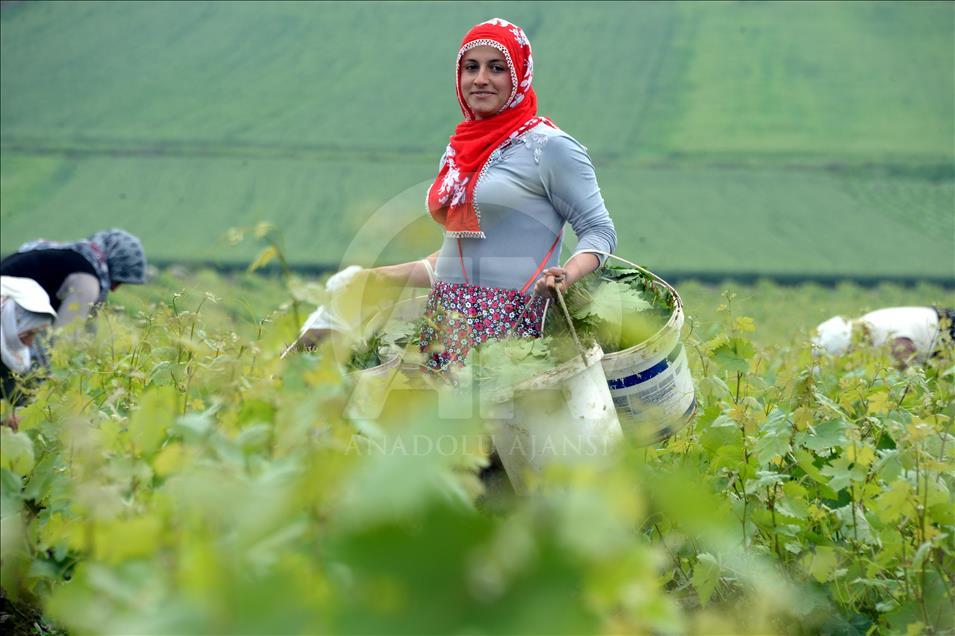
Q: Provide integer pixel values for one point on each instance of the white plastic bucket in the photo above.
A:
(565, 415)
(407, 310)
(371, 388)
(651, 383)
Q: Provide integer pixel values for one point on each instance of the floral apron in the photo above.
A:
(463, 315)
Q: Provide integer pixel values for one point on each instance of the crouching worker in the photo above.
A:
(355, 294)
(913, 334)
(25, 310)
(78, 276)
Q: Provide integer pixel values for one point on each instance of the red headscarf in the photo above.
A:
(451, 196)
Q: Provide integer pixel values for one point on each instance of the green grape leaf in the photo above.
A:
(821, 563)
(264, 258)
(16, 451)
(762, 480)
(842, 472)
(706, 575)
(156, 412)
(123, 539)
(829, 434)
(770, 445)
(794, 503)
(894, 502)
(734, 354)
(612, 301)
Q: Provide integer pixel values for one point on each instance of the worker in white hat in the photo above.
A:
(325, 319)
(911, 333)
(25, 310)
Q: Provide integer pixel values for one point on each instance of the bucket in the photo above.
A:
(565, 415)
(650, 382)
(371, 387)
(407, 310)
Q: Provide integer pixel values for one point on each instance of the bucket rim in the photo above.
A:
(579, 363)
(391, 360)
(676, 316)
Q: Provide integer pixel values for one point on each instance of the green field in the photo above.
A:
(735, 137)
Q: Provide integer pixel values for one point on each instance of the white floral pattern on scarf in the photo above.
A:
(453, 188)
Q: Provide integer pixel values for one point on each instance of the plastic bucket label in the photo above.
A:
(665, 387)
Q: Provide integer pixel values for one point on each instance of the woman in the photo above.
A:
(912, 334)
(508, 181)
(24, 311)
(77, 276)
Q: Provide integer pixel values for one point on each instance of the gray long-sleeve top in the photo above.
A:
(527, 193)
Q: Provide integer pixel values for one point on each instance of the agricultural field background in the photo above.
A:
(728, 137)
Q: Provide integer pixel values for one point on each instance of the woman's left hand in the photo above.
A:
(552, 279)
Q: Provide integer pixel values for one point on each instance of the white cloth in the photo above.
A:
(325, 318)
(24, 306)
(322, 318)
(339, 281)
(833, 336)
(918, 324)
(27, 293)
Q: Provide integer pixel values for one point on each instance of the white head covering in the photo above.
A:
(23, 306)
(833, 336)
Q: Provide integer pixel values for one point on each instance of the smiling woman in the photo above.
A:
(485, 81)
(508, 182)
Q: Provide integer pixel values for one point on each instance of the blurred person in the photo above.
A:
(325, 319)
(79, 275)
(508, 182)
(25, 311)
(911, 333)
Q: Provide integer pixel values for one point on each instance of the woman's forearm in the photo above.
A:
(580, 265)
(412, 274)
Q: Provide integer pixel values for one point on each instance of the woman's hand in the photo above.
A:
(12, 421)
(552, 279)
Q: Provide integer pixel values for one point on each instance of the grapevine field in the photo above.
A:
(175, 475)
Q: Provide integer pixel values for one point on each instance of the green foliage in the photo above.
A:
(175, 475)
(501, 364)
(366, 354)
(615, 307)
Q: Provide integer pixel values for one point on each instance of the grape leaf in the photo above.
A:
(706, 574)
(16, 451)
(734, 354)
